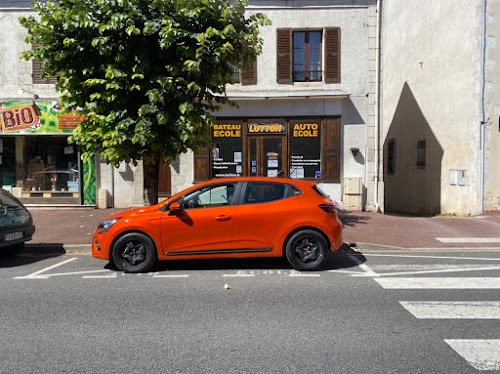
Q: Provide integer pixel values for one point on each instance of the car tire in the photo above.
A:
(307, 250)
(134, 253)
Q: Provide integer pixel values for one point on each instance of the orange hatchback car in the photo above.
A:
(225, 218)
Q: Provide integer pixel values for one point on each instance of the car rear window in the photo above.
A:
(319, 191)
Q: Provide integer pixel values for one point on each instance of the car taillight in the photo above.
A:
(329, 208)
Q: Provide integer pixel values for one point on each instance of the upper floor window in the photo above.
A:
(38, 71)
(308, 56)
(245, 77)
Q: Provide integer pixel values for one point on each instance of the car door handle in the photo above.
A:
(222, 218)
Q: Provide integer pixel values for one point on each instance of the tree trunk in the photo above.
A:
(151, 173)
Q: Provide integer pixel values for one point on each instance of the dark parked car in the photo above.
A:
(16, 224)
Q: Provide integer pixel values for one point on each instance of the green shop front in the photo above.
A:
(37, 165)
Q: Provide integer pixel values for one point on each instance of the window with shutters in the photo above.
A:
(308, 56)
(245, 77)
(38, 71)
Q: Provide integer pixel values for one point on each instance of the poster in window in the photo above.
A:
(305, 148)
(227, 160)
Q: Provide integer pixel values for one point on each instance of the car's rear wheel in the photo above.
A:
(307, 250)
(134, 253)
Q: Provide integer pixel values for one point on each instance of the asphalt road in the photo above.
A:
(370, 312)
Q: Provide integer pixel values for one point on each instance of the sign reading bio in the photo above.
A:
(20, 118)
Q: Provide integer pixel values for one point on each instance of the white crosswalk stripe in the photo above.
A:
(453, 309)
(482, 354)
(435, 283)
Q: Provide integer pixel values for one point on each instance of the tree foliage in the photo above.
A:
(147, 75)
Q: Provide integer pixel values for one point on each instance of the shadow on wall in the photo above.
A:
(412, 161)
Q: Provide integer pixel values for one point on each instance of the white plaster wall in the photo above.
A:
(353, 17)
(492, 174)
(434, 48)
(182, 172)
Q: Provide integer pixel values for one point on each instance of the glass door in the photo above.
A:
(266, 156)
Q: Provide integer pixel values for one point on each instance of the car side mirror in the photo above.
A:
(175, 206)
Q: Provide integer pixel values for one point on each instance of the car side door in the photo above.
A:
(203, 222)
(264, 213)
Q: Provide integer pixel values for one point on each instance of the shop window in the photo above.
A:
(38, 71)
(305, 149)
(299, 55)
(421, 154)
(391, 156)
(227, 152)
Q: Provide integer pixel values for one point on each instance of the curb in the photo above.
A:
(52, 248)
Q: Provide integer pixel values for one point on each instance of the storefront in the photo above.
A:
(36, 162)
(302, 148)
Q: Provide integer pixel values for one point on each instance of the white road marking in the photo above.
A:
(304, 275)
(469, 240)
(481, 354)
(37, 274)
(422, 256)
(170, 275)
(490, 283)
(239, 275)
(109, 276)
(453, 309)
(451, 270)
(368, 272)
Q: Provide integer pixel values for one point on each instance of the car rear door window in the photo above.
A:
(263, 192)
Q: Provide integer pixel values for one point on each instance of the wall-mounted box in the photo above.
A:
(458, 177)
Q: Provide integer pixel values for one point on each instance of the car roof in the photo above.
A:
(296, 182)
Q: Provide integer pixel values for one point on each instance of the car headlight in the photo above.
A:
(106, 225)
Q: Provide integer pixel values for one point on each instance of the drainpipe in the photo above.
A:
(377, 104)
(484, 121)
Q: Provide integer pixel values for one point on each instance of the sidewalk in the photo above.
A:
(71, 230)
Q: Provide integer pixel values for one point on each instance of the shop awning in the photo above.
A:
(333, 94)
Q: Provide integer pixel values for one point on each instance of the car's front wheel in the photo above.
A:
(134, 253)
(307, 250)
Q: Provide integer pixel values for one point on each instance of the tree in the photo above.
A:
(147, 75)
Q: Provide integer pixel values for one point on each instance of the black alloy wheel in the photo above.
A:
(134, 253)
(307, 250)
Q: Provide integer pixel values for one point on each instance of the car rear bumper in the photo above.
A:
(27, 233)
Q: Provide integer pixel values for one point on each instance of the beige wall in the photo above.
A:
(431, 91)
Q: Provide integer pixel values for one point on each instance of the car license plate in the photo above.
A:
(13, 236)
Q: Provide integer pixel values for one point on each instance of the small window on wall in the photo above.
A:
(38, 71)
(245, 77)
(227, 153)
(391, 156)
(421, 154)
(305, 149)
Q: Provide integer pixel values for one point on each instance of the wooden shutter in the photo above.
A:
(332, 55)
(249, 76)
(284, 55)
(202, 165)
(330, 150)
(38, 71)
